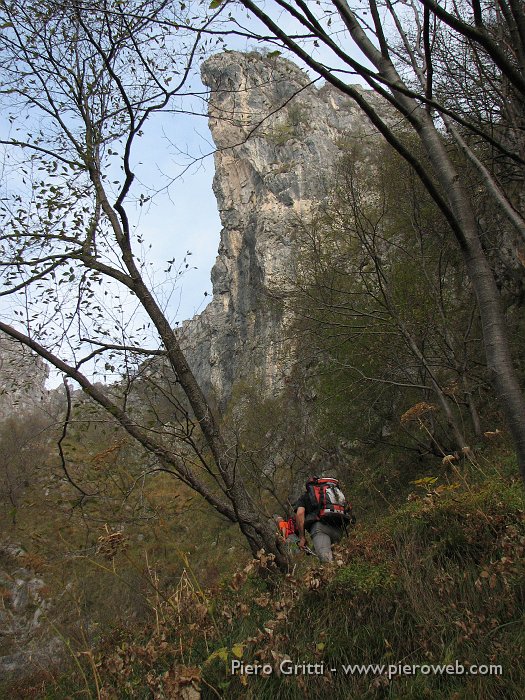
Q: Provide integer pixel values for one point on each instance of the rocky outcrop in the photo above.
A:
(25, 643)
(22, 379)
(278, 137)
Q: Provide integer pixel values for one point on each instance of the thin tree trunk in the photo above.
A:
(464, 226)
(459, 438)
(495, 333)
(252, 524)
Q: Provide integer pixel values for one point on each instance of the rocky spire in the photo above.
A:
(278, 137)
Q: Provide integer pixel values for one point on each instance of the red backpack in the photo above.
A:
(328, 501)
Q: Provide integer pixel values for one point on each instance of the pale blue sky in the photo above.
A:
(185, 218)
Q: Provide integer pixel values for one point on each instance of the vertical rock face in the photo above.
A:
(277, 137)
(22, 378)
(24, 646)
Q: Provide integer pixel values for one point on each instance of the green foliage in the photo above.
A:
(397, 597)
(290, 125)
(385, 318)
(281, 134)
(363, 577)
(274, 437)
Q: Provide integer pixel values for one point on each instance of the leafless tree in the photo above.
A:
(82, 82)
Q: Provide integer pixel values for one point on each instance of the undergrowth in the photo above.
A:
(437, 580)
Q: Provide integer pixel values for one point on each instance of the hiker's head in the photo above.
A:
(311, 480)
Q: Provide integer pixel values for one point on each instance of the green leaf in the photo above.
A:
(426, 481)
(237, 650)
(221, 653)
(214, 4)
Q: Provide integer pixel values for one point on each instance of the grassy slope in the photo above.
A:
(438, 579)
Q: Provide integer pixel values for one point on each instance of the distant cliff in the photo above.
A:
(22, 379)
(278, 137)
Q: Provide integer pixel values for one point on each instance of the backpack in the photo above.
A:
(288, 527)
(328, 502)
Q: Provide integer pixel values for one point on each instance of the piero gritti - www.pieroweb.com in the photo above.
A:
(287, 667)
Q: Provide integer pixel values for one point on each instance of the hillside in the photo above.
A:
(431, 588)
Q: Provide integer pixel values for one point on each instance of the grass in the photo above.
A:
(436, 580)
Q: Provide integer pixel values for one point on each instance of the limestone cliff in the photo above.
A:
(22, 379)
(277, 137)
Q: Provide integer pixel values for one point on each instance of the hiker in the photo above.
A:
(323, 512)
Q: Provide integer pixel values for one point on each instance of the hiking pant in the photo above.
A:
(323, 537)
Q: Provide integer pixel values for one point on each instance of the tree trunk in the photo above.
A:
(252, 524)
(495, 333)
(464, 226)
